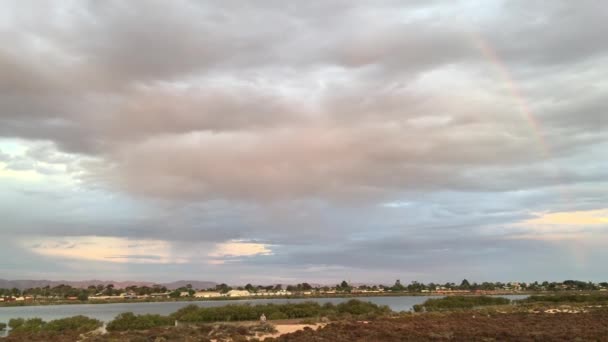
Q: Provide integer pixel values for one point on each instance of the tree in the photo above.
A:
(223, 288)
(109, 289)
(464, 285)
(83, 296)
(398, 287)
(415, 287)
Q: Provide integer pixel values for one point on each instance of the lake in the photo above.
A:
(106, 312)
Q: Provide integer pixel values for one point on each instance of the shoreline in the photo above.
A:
(254, 298)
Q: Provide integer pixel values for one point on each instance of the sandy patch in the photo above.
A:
(283, 329)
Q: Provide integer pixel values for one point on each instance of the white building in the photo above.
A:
(238, 293)
(207, 294)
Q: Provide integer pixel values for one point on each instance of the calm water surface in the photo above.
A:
(106, 312)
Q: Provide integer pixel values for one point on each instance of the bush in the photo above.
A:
(195, 314)
(129, 321)
(37, 325)
(566, 298)
(459, 302)
(2, 326)
(76, 323)
(357, 307)
(277, 315)
(14, 323)
(266, 328)
(32, 325)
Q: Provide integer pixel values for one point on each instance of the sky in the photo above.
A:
(290, 141)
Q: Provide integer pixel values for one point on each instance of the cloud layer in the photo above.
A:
(376, 139)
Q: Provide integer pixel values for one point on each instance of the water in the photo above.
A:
(107, 312)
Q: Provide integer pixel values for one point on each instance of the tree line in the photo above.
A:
(67, 291)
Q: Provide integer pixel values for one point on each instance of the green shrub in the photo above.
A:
(32, 325)
(266, 328)
(76, 323)
(14, 323)
(186, 310)
(277, 315)
(566, 298)
(247, 312)
(2, 326)
(37, 325)
(357, 307)
(459, 302)
(129, 321)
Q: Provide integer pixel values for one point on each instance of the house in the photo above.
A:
(207, 294)
(101, 297)
(159, 295)
(184, 294)
(283, 293)
(238, 293)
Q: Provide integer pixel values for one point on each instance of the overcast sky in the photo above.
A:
(280, 142)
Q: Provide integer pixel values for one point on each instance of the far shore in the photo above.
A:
(332, 295)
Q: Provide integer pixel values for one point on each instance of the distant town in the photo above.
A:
(109, 293)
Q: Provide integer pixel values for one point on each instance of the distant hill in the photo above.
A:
(26, 284)
(195, 284)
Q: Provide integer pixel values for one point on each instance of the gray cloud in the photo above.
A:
(342, 130)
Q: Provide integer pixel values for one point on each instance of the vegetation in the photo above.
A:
(26, 325)
(567, 298)
(67, 291)
(130, 321)
(65, 294)
(2, 326)
(76, 323)
(463, 326)
(458, 320)
(459, 302)
(193, 313)
(188, 333)
(36, 325)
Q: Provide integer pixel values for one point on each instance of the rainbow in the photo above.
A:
(490, 55)
(501, 69)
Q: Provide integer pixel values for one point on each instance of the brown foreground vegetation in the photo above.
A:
(457, 326)
(464, 326)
